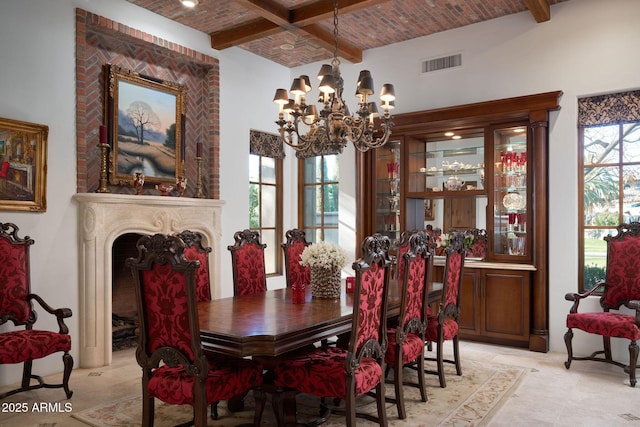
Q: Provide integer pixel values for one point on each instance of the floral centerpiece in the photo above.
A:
(443, 241)
(325, 260)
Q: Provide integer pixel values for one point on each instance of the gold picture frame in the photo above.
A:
(23, 166)
(146, 119)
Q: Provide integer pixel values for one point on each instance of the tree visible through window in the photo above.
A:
(609, 137)
(319, 198)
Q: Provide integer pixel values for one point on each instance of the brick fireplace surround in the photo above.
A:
(103, 217)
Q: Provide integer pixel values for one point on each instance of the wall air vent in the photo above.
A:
(442, 63)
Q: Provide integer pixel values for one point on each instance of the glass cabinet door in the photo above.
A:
(510, 200)
(388, 190)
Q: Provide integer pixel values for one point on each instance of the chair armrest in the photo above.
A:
(577, 297)
(60, 313)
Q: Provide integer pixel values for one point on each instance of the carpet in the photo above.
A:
(469, 400)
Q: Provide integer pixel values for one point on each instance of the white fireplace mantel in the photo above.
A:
(104, 217)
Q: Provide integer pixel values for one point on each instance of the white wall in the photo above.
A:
(588, 47)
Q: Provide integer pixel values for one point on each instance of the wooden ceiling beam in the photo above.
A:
(539, 9)
(275, 18)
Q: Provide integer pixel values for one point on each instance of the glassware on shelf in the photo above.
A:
(393, 185)
(392, 169)
(516, 244)
(393, 203)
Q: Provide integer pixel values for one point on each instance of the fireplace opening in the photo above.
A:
(124, 322)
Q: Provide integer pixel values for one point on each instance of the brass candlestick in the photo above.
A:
(199, 193)
(104, 159)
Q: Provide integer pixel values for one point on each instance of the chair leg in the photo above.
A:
(606, 341)
(421, 382)
(398, 385)
(456, 355)
(382, 408)
(214, 410)
(440, 363)
(568, 336)
(68, 366)
(260, 398)
(26, 373)
(633, 359)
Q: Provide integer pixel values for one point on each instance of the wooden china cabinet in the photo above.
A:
(480, 165)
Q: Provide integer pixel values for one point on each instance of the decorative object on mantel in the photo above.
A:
(104, 160)
(333, 126)
(181, 185)
(199, 194)
(164, 189)
(325, 260)
(138, 182)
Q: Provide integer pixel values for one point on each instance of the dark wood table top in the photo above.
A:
(269, 324)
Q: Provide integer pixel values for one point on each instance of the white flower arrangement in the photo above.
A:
(323, 255)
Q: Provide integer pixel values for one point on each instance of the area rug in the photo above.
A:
(468, 400)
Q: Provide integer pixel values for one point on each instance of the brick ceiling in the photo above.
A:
(298, 32)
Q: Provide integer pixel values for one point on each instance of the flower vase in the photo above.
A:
(325, 282)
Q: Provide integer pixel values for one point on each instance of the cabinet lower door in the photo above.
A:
(507, 301)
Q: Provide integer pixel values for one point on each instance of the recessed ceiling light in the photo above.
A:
(189, 3)
(449, 134)
(456, 137)
(286, 46)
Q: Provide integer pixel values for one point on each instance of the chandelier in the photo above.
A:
(304, 129)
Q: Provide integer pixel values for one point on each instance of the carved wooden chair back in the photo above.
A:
(247, 261)
(196, 251)
(293, 247)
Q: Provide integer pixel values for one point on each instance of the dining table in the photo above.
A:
(270, 324)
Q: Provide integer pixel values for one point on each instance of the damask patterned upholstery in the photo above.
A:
(16, 302)
(293, 246)
(620, 288)
(346, 373)
(247, 261)
(175, 369)
(406, 340)
(443, 326)
(403, 247)
(196, 251)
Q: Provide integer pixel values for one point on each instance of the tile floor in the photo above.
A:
(589, 394)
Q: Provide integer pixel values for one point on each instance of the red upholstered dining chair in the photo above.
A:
(335, 372)
(406, 340)
(621, 287)
(293, 246)
(443, 326)
(16, 305)
(196, 251)
(174, 366)
(247, 262)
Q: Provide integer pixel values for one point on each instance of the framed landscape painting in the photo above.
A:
(23, 166)
(145, 126)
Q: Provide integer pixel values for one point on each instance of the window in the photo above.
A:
(609, 138)
(265, 197)
(319, 198)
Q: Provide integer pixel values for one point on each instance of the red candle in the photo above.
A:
(199, 149)
(103, 134)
